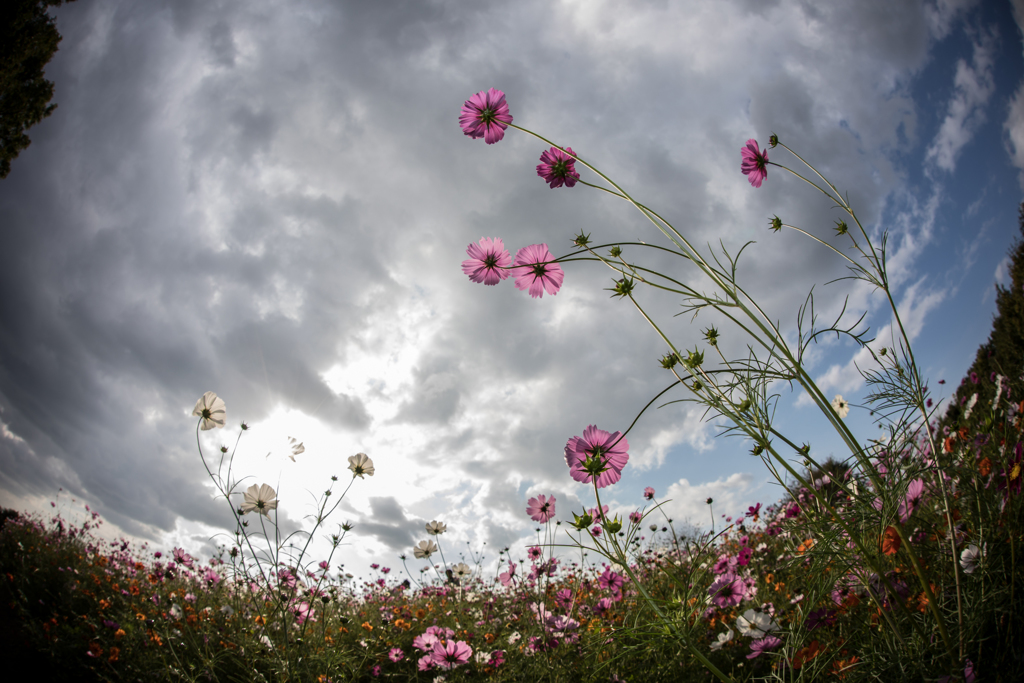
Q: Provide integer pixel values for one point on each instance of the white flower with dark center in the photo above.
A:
(211, 411)
(723, 638)
(436, 528)
(970, 558)
(841, 406)
(424, 549)
(260, 498)
(461, 570)
(360, 464)
(755, 624)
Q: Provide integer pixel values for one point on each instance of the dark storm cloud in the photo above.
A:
(242, 199)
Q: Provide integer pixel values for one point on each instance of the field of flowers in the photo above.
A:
(764, 598)
(895, 563)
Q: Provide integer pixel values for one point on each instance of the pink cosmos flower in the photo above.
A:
(535, 271)
(541, 509)
(488, 261)
(649, 493)
(558, 168)
(635, 517)
(914, 493)
(762, 645)
(534, 552)
(753, 163)
(727, 590)
(396, 654)
(451, 654)
(609, 580)
(597, 456)
(425, 663)
(506, 577)
(485, 115)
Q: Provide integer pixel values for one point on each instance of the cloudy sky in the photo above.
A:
(272, 201)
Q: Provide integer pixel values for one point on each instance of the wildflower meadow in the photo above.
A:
(894, 560)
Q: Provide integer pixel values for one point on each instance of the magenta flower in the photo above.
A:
(753, 163)
(915, 491)
(649, 493)
(396, 654)
(451, 654)
(635, 517)
(597, 456)
(488, 261)
(611, 581)
(541, 509)
(534, 552)
(727, 590)
(558, 168)
(506, 576)
(762, 645)
(485, 115)
(535, 271)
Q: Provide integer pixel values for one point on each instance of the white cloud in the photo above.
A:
(973, 85)
(687, 502)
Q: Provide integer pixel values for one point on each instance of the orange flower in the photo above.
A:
(260, 620)
(119, 633)
(140, 616)
(842, 666)
(890, 541)
(402, 624)
(806, 654)
(947, 445)
(95, 650)
(104, 604)
(114, 654)
(367, 626)
(985, 467)
(489, 637)
(420, 613)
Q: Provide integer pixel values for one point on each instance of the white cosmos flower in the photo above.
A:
(969, 558)
(210, 408)
(424, 549)
(297, 447)
(723, 638)
(841, 406)
(360, 464)
(260, 498)
(754, 624)
(461, 570)
(436, 528)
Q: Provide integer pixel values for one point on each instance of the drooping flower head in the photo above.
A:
(506, 576)
(649, 493)
(535, 271)
(210, 410)
(261, 498)
(488, 261)
(558, 168)
(435, 528)
(360, 464)
(541, 509)
(754, 163)
(597, 456)
(766, 644)
(485, 115)
(915, 491)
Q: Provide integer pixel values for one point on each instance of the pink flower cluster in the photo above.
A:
(534, 267)
(441, 651)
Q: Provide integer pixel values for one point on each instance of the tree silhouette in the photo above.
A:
(28, 40)
(1003, 353)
